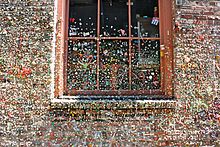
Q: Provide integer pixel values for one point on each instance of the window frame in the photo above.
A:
(166, 48)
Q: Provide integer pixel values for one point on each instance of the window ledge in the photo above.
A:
(113, 102)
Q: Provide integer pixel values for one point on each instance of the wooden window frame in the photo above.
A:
(166, 49)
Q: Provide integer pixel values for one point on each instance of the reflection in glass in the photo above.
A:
(83, 18)
(113, 65)
(145, 65)
(114, 18)
(146, 52)
(145, 18)
(81, 65)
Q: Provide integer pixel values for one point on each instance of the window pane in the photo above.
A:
(114, 18)
(113, 65)
(83, 18)
(81, 67)
(145, 18)
(145, 65)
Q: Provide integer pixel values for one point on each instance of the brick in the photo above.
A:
(209, 13)
(187, 16)
(200, 17)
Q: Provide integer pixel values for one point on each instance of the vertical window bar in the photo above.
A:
(98, 45)
(162, 61)
(129, 26)
(65, 25)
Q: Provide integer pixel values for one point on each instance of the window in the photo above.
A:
(115, 47)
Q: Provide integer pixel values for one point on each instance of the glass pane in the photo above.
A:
(113, 65)
(145, 18)
(114, 18)
(83, 18)
(81, 65)
(145, 64)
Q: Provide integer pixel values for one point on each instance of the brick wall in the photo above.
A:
(26, 31)
(197, 50)
(26, 46)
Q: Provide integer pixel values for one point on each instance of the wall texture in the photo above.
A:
(197, 50)
(26, 32)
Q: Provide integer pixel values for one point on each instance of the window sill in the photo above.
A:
(110, 108)
(113, 102)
